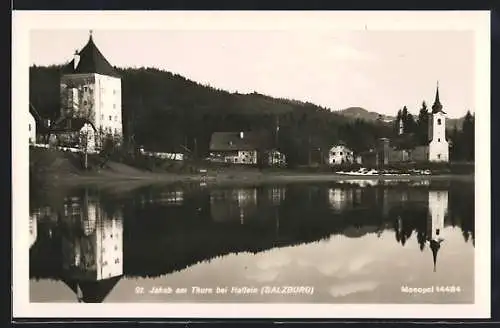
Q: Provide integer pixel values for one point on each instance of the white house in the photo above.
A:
(91, 88)
(340, 154)
(438, 145)
(32, 128)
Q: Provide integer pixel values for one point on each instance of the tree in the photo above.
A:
(423, 125)
(467, 143)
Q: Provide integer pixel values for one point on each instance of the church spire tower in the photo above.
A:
(438, 145)
(437, 107)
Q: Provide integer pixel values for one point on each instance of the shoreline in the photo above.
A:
(238, 178)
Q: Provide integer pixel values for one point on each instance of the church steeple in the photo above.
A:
(437, 107)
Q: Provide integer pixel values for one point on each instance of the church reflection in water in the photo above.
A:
(438, 207)
(81, 240)
(92, 248)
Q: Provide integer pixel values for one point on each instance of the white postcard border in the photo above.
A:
(24, 21)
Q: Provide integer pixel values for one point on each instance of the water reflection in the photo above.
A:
(91, 239)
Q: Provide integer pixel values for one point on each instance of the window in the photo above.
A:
(439, 121)
(116, 118)
(117, 261)
(110, 118)
(114, 106)
(85, 89)
(340, 153)
(85, 103)
(30, 126)
(333, 153)
(116, 247)
(439, 156)
(439, 139)
(114, 92)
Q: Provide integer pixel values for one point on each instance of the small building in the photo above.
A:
(74, 133)
(31, 128)
(340, 154)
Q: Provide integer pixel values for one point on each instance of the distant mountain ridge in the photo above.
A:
(363, 114)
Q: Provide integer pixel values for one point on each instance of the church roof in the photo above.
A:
(91, 61)
(437, 107)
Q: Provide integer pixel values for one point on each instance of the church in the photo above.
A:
(437, 150)
(90, 90)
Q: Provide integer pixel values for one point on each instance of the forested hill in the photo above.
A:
(165, 111)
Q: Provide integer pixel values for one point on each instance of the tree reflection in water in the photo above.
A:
(91, 238)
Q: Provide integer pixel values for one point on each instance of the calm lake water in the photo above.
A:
(350, 242)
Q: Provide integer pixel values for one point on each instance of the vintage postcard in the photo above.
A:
(251, 164)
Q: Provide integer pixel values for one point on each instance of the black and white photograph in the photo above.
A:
(254, 164)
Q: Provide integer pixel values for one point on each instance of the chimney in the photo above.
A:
(242, 135)
(76, 59)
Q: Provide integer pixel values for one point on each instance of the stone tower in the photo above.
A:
(91, 88)
(438, 145)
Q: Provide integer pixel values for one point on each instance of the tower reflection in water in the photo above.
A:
(438, 206)
(92, 248)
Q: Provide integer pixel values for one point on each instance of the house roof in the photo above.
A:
(231, 141)
(91, 61)
(70, 124)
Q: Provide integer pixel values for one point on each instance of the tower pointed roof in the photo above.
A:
(435, 246)
(91, 61)
(437, 107)
(92, 291)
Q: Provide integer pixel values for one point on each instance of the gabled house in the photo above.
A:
(74, 132)
(235, 147)
(340, 154)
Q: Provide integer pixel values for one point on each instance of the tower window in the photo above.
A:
(110, 118)
(439, 139)
(439, 121)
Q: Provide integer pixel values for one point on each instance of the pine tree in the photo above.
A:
(422, 125)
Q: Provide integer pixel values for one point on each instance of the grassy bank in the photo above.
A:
(49, 166)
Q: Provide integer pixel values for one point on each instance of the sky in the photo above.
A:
(381, 71)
